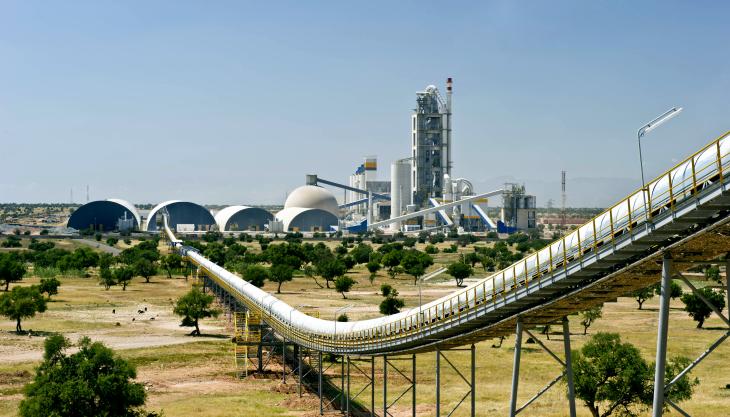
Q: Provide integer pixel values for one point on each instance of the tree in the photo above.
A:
(330, 269)
(587, 317)
(343, 284)
(361, 253)
(49, 286)
(392, 260)
(194, 306)
(145, 268)
(280, 274)
(20, 303)
(171, 262)
(256, 275)
(611, 376)
(391, 304)
(415, 263)
(12, 268)
(123, 276)
(106, 278)
(91, 382)
(697, 309)
(373, 267)
(112, 241)
(644, 294)
(459, 271)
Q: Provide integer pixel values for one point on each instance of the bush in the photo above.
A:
(431, 249)
(91, 382)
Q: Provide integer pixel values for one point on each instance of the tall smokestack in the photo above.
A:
(447, 153)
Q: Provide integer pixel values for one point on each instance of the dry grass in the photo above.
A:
(187, 376)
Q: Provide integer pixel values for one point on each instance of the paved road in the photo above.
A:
(101, 246)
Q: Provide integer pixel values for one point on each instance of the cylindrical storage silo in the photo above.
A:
(400, 189)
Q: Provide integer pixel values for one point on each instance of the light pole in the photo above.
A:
(643, 131)
(345, 308)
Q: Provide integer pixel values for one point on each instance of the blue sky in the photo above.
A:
(234, 102)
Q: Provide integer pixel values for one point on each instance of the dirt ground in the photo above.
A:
(186, 375)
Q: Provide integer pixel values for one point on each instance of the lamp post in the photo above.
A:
(664, 117)
(345, 308)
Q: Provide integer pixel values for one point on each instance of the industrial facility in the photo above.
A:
(421, 194)
(105, 215)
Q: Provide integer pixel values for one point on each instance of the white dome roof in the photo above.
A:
(312, 196)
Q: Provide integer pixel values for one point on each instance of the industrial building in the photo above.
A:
(430, 144)
(242, 218)
(423, 182)
(105, 215)
(184, 216)
(309, 208)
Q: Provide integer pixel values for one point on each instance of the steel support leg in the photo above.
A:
(299, 368)
(727, 282)
(473, 381)
(319, 388)
(568, 366)
(661, 343)
(516, 370)
(347, 394)
(283, 361)
(385, 385)
(413, 393)
(372, 387)
(342, 382)
(438, 382)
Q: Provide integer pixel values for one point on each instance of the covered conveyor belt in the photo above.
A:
(683, 213)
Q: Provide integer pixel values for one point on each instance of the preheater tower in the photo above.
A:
(430, 143)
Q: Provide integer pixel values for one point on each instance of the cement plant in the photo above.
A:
(472, 209)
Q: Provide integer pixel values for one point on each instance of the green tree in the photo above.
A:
(123, 276)
(459, 271)
(612, 377)
(697, 309)
(280, 274)
(644, 294)
(256, 275)
(20, 303)
(392, 259)
(49, 286)
(12, 268)
(171, 262)
(343, 284)
(329, 269)
(145, 268)
(194, 306)
(373, 267)
(391, 304)
(112, 241)
(587, 317)
(92, 382)
(415, 263)
(106, 278)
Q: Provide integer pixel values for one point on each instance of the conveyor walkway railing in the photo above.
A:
(682, 204)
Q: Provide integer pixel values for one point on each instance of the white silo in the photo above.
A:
(400, 189)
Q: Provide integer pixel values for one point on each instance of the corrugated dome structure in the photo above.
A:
(189, 216)
(235, 218)
(313, 197)
(105, 215)
(302, 219)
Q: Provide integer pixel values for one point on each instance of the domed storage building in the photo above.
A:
(105, 215)
(241, 218)
(185, 216)
(310, 209)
